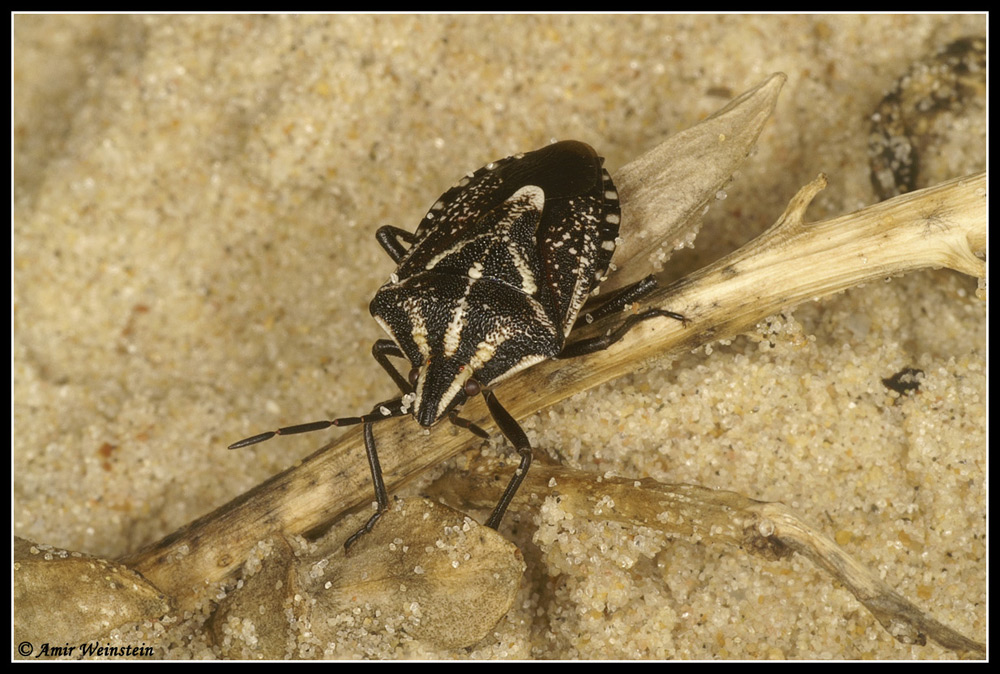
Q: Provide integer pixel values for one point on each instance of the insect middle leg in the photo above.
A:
(389, 238)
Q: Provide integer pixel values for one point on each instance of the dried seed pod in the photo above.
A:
(447, 578)
(64, 597)
(425, 573)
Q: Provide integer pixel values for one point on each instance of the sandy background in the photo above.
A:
(195, 200)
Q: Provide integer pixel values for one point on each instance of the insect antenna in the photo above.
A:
(384, 410)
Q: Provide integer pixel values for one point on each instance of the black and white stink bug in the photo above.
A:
(491, 283)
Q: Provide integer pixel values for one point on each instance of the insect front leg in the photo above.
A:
(381, 495)
(513, 432)
(381, 350)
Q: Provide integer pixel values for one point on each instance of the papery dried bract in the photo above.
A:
(664, 192)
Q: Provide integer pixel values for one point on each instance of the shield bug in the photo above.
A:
(492, 282)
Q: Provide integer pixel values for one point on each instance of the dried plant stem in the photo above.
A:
(771, 530)
(943, 226)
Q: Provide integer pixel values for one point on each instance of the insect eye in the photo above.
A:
(472, 388)
(414, 373)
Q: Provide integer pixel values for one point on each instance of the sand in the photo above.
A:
(194, 205)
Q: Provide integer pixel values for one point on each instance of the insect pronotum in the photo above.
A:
(492, 282)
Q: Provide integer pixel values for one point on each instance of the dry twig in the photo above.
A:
(943, 226)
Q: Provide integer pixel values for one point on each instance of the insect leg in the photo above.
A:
(513, 432)
(620, 299)
(389, 238)
(381, 350)
(593, 344)
(616, 302)
(381, 495)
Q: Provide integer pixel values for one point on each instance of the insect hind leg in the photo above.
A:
(605, 305)
(617, 302)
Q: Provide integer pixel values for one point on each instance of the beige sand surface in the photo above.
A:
(195, 200)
